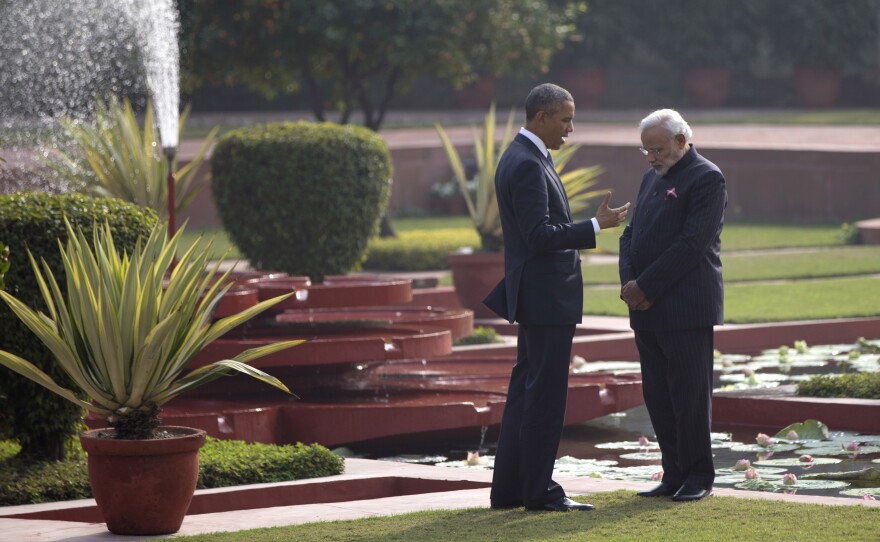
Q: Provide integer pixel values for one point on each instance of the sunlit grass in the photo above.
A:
(770, 302)
(739, 267)
(620, 516)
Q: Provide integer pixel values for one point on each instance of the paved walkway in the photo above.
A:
(57, 531)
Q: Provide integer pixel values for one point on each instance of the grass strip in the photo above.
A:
(620, 516)
(819, 263)
(750, 303)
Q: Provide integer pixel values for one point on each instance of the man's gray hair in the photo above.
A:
(546, 97)
(670, 120)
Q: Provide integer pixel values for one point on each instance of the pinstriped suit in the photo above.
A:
(672, 248)
(542, 290)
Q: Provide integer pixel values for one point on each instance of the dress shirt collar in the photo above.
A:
(534, 139)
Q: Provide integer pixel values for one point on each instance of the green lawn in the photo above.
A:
(770, 302)
(620, 516)
(739, 267)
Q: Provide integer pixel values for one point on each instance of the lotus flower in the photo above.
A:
(748, 371)
(657, 476)
(473, 459)
(801, 347)
(792, 435)
(752, 474)
(742, 464)
(789, 479)
(851, 447)
(783, 351)
(868, 497)
(764, 440)
(805, 458)
(726, 363)
(644, 441)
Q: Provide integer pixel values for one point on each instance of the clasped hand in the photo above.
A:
(608, 217)
(634, 297)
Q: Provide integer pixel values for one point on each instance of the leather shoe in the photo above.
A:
(563, 505)
(661, 490)
(691, 492)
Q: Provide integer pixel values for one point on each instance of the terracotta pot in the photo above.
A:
(707, 87)
(144, 487)
(587, 86)
(817, 88)
(474, 275)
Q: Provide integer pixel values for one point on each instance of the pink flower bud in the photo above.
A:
(851, 447)
(805, 458)
(764, 440)
(742, 464)
(752, 474)
(657, 476)
(868, 497)
(473, 459)
(644, 441)
(792, 435)
(789, 479)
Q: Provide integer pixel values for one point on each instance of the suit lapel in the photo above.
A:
(551, 171)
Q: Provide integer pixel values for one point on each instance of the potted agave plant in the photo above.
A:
(475, 273)
(124, 332)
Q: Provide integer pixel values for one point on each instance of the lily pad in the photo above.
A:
(861, 492)
(721, 436)
(642, 472)
(763, 471)
(763, 378)
(870, 474)
(795, 462)
(755, 448)
(485, 462)
(627, 445)
(778, 485)
(643, 456)
(569, 460)
(838, 450)
(806, 430)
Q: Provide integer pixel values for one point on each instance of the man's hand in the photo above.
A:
(611, 218)
(634, 297)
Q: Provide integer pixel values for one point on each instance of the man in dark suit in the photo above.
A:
(670, 272)
(542, 290)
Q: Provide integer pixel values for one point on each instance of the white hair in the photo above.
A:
(670, 120)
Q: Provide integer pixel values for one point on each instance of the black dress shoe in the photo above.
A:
(501, 505)
(563, 505)
(661, 490)
(691, 492)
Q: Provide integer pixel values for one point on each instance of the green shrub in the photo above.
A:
(25, 482)
(418, 250)
(222, 463)
(480, 335)
(303, 198)
(852, 386)
(225, 463)
(39, 419)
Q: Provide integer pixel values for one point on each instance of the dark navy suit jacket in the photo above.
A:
(542, 281)
(672, 246)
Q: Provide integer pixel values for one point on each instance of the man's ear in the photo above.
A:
(681, 140)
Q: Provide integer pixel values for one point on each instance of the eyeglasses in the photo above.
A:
(651, 150)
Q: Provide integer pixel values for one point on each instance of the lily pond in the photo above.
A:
(804, 458)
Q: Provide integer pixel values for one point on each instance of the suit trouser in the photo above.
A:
(677, 386)
(533, 418)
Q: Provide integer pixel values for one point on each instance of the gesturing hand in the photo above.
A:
(608, 217)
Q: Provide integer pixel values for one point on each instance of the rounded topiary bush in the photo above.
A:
(301, 197)
(40, 420)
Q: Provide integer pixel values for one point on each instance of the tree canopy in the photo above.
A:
(350, 55)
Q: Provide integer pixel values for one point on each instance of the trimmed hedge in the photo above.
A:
(851, 386)
(40, 420)
(301, 197)
(225, 463)
(418, 250)
(222, 463)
